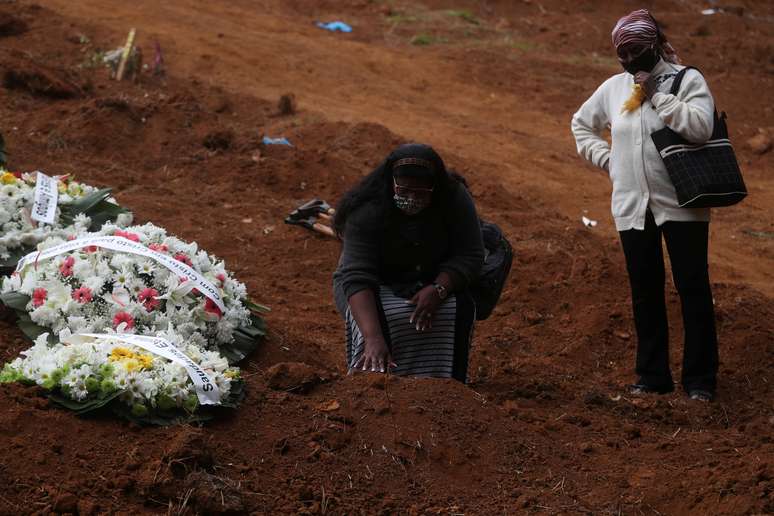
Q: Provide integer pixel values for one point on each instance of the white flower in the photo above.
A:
(124, 219)
(123, 277)
(9, 193)
(156, 298)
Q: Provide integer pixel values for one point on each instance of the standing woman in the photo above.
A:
(644, 202)
(411, 246)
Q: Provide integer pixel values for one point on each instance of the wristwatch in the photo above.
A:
(442, 291)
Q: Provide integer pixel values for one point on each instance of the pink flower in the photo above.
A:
(67, 266)
(91, 248)
(211, 308)
(222, 278)
(123, 317)
(130, 236)
(181, 257)
(148, 299)
(161, 248)
(82, 295)
(39, 297)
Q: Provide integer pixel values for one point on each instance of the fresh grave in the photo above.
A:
(131, 282)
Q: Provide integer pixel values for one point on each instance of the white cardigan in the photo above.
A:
(640, 179)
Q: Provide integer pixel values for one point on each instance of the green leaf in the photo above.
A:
(255, 307)
(104, 212)
(88, 201)
(246, 339)
(235, 395)
(13, 259)
(161, 418)
(15, 300)
(33, 331)
(95, 206)
(82, 407)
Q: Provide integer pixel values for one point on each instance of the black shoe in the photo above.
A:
(701, 395)
(643, 388)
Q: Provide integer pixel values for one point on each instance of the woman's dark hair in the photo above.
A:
(376, 189)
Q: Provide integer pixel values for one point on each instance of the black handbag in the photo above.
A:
(705, 175)
(498, 257)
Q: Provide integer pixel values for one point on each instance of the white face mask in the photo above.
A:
(410, 205)
(407, 202)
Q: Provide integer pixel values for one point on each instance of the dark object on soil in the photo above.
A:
(212, 494)
(3, 156)
(488, 287)
(292, 376)
(219, 140)
(287, 104)
(307, 215)
(11, 26)
(20, 73)
(158, 59)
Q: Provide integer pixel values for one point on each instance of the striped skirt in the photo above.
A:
(439, 352)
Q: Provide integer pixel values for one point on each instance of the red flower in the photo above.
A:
(123, 317)
(181, 257)
(17, 174)
(91, 248)
(82, 295)
(148, 299)
(130, 236)
(67, 266)
(211, 308)
(39, 297)
(222, 278)
(161, 248)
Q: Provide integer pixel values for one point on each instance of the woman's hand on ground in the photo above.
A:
(376, 356)
(427, 302)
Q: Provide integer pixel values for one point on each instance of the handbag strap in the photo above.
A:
(678, 80)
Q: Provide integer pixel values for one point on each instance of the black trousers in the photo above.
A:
(686, 243)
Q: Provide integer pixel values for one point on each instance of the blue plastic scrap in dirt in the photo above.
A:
(336, 26)
(276, 141)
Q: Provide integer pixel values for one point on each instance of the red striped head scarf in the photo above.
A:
(641, 28)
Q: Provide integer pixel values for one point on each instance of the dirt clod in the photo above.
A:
(760, 143)
(219, 140)
(287, 104)
(292, 376)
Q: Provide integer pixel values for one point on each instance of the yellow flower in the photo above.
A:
(131, 364)
(130, 360)
(146, 361)
(120, 354)
(7, 178)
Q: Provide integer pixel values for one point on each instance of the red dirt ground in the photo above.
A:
(545, 426)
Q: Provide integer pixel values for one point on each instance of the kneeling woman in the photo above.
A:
(411, 246)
